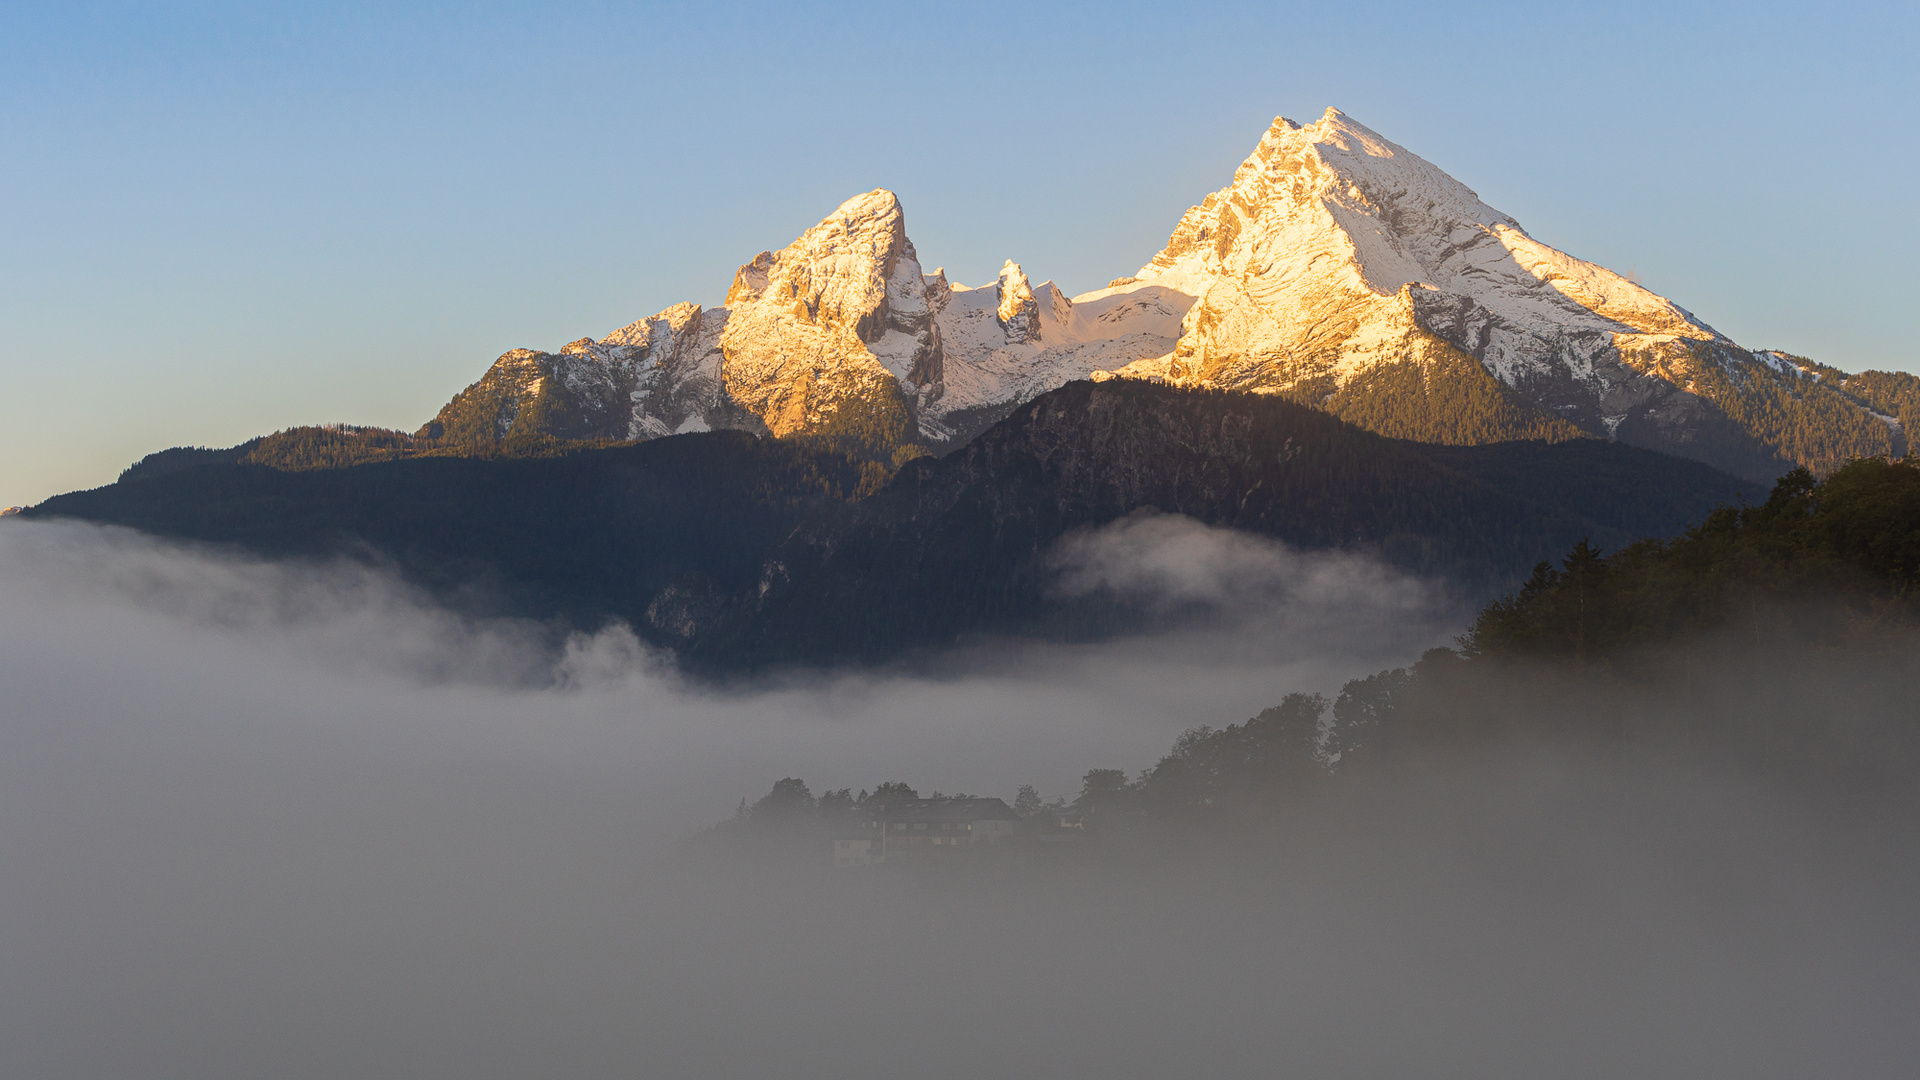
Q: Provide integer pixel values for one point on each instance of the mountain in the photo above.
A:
(1338, 269)
(742, 552)
(1341, 269)
(839, 334)
(1343, 349)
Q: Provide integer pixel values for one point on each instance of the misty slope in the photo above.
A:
(741, 551)
(1846, 546)
(1337, 269)
(1777, 640)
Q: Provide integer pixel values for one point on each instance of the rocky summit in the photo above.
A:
(1337, 269)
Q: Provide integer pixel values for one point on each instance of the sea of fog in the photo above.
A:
(295, 820)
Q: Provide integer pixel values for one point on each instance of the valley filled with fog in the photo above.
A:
(294, 819)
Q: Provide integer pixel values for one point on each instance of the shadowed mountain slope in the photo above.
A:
(739, 551)
(580, 538)
(960, 545)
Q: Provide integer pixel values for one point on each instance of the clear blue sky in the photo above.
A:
(221, 220)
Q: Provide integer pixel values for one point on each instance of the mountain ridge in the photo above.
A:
(1336, 255)
(740, 552)
(1337, 269)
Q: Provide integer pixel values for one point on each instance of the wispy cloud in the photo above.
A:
(1328, 600)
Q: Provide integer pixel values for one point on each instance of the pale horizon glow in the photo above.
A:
(228, 221)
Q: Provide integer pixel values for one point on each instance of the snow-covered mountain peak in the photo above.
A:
(1335, 249)
(643, 333)
(836, 316)
(1337, 267)
(1340, 187)
(878, 204)
(839, 270)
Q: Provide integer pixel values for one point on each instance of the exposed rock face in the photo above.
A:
(837, 320)
(1010, 342)
(676, 361)
(1018, 313)
(839, 331)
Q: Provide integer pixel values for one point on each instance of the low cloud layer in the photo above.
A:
(118, 618)
(1330, 602)
(260, 819)
(1173, 559)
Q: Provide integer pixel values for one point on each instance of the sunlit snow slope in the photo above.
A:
(1345, 271)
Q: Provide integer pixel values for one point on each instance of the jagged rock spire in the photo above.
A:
(1017, 311)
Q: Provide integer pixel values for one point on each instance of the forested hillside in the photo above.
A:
(1779, 643)
(583, 537)
(1779, 639)
(340, 446)
(737, 551)
(958, 545)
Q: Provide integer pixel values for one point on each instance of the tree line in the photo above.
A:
(1778, 638)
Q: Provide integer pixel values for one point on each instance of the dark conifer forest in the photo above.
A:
(741, 552)
(1779, 641)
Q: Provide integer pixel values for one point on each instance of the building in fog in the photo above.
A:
(924, 828)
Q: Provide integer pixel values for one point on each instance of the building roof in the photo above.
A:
(942, 810)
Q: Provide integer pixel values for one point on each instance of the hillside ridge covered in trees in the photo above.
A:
(743, 552)
(1778, 638)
